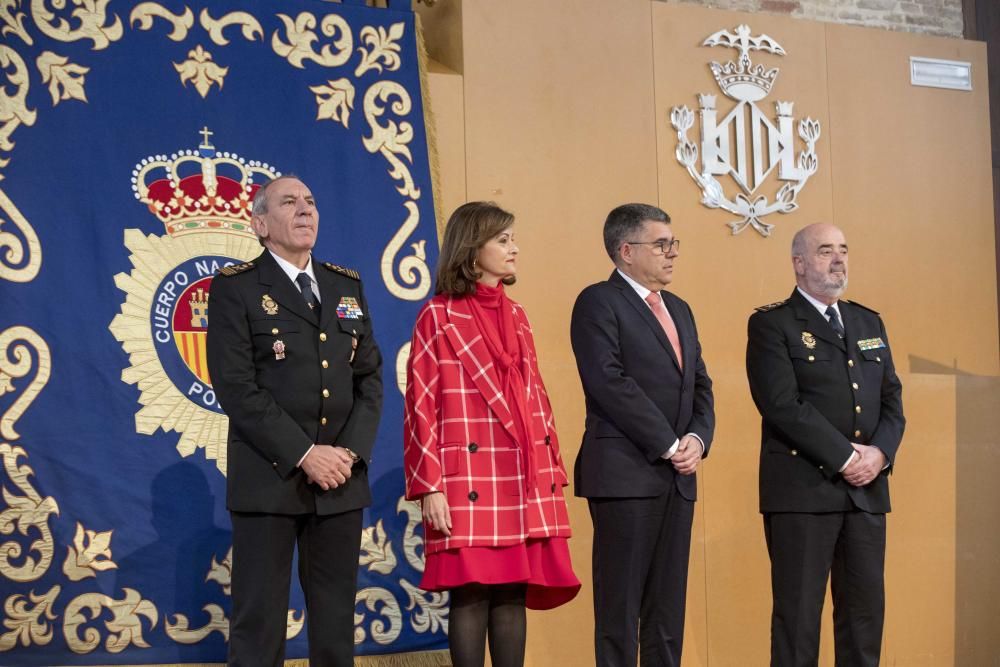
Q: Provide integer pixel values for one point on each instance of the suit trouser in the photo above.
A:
(641, 551)
(807, 549)
(263, 545)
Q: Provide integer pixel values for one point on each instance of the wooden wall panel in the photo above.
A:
(566, 114)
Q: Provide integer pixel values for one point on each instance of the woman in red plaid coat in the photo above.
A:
(480, 447)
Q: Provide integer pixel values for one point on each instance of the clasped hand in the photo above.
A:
(866, 466)
(688, 455)
(329, 466)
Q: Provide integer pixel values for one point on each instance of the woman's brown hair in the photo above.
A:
(469, 228)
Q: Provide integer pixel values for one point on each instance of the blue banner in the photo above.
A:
(132, 136)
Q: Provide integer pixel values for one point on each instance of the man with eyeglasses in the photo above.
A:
(650, 421)
(821, 373)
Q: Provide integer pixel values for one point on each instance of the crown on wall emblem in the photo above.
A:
(200, 190)
(743, 80)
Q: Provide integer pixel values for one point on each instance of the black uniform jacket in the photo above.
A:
(287, 379)
(638, 400)
(817, 393)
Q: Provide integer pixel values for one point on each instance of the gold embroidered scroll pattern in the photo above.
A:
(413, 544)
(388, 621)
(300, 35)
(334, 101)
(376, 550)
(89, 554)
(144, 13)
(14, 109)
(124, 628)
(413, 268)
(391, 139)
(92, 17)
(180, 632)
(16, 363)
(12, 248)
(431, 613)
(25, 624)
(13, 22)
(65, 79)
(250, 26)
(200, 69)
(382, 46)
(24, 512)
(221, 572)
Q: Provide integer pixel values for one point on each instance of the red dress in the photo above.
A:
(540, 557)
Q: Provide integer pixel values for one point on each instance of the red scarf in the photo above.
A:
(505, 349)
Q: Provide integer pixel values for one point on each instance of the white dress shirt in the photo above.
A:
(293, 272)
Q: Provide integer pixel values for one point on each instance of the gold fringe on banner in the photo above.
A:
(416, 659)
(430, 129)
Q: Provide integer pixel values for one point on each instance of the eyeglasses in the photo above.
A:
(659, 247)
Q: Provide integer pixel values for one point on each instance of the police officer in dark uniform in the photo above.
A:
(821, 373)
(296, 369)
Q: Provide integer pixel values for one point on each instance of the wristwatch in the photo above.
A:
(354, 457)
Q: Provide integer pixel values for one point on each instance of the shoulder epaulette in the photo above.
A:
(855, 303)
(771, 306)
(236, 269)
(342, 270)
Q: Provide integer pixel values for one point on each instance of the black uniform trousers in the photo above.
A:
(640, 561)
(806, 550)
(263, 545)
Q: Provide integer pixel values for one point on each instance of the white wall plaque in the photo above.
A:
(937, 73)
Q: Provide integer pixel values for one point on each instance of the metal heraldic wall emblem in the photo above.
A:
(203, 197)
(724, 144)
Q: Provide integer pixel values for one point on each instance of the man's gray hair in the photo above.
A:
(259, 204)
(625, 222)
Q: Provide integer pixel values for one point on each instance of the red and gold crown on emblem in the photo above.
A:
(200, 190)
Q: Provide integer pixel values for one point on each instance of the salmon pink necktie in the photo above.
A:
(667, 322)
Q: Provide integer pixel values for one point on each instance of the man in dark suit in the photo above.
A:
(294, 364)
(650, 420)
(822, 376)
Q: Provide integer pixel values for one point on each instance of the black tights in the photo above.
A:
(479, 611)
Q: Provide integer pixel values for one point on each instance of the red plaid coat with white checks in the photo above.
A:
(459, 435)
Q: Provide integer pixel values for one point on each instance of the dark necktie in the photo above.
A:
(305, 284)
(831, 312)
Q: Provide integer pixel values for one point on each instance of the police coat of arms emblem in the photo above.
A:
(724, 147)
(203, 198)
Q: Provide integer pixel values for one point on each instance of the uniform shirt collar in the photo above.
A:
(820, 306)
(293, 271)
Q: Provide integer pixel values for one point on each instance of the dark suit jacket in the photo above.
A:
(817, 394)
(276, 407)
(638, 400)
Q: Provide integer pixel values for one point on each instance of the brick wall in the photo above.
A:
(934, 17)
